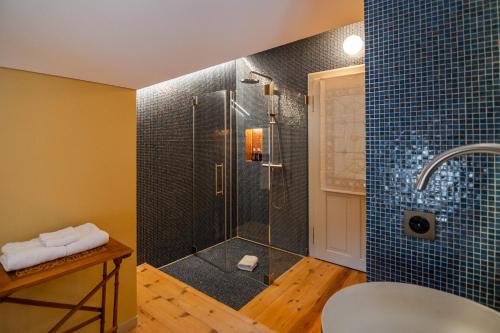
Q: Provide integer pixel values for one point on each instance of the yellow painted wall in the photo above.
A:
(67, 156)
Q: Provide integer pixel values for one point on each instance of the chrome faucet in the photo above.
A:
(437, 161)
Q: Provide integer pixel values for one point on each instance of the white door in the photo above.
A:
(337, 176)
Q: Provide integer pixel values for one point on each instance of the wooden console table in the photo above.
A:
(113, 250)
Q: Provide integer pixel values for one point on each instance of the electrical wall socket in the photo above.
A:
(419, 224)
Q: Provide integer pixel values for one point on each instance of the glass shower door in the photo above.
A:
(210, 170)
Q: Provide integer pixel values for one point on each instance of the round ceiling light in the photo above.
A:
(353, 44)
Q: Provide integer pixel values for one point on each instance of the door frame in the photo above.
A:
(316, 197)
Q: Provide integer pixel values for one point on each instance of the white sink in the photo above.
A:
(389, 307)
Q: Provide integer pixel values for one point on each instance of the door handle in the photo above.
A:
(219, 169)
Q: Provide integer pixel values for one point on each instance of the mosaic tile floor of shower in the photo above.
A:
(213, 271)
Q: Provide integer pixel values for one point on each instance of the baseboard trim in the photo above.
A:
(127, 325)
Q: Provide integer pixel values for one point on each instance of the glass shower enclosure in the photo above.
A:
(236, 191)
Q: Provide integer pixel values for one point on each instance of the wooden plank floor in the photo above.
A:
(292, 304)
(166, 304)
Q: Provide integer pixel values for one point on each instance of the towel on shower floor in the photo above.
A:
(59, 238)
(25, 254)
(248, 263)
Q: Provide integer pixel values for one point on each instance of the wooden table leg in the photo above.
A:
(83, 301)
(117, 262)
(103, 297)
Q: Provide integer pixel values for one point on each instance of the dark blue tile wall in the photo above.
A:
(432, 84)
(165, 163)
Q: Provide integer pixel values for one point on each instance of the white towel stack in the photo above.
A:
(53, 245)
(248, 263)
(59, 238)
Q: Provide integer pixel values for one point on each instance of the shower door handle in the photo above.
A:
(219, 170)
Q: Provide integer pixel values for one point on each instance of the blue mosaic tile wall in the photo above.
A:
(432, 84)
(165, 230)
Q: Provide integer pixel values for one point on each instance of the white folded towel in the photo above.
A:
(18, 246)
(85, 229)
(248, 263)
(59, 238)
(25, 254)
(15, 260)
(88, 241)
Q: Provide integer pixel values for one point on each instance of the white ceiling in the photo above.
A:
(136, 43)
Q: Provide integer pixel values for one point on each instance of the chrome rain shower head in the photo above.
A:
(251, 80)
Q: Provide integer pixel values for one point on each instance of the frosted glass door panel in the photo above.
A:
(342, 133)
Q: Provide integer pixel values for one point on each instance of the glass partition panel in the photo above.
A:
(251, 126)
(288, 191)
